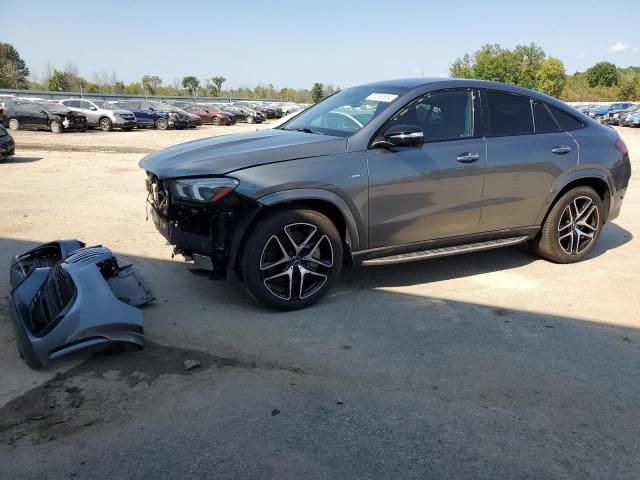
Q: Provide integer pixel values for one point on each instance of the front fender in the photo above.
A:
(572, 176)
(353, 226)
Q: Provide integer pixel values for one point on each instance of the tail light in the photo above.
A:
(621, 146)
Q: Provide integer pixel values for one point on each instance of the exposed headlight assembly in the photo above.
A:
(203, 190)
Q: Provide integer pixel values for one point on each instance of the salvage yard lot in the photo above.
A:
(487, 365)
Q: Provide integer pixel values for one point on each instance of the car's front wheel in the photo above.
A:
(292, 259)
(251, 119)
(162, 124)
(105, 124)
(572, 227)
(56, 127)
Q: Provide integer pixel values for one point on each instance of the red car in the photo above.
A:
(211, 115)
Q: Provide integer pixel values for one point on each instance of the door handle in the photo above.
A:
(468, 157)
(561, 149)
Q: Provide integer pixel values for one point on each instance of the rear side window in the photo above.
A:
(566, 121)
(509, 114)
(550, 119)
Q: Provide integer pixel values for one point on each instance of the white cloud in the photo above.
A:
(619, 47)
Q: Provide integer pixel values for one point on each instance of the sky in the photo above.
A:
(296, 43)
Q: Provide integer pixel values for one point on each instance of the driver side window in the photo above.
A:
(444, 115)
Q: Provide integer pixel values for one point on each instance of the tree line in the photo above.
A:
(525, 65)
(529, 66)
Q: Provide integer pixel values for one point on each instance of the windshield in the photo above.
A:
(104, 105)
(346, 112)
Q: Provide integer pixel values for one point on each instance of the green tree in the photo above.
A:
(91, 87)
(317, 92)
(133, 88)
(191, 83)
(58, 81)
(604, 74)
(218, 81)
(551, 77)
(119, 87)
(629, 90)
(150, 83)
(13, 69)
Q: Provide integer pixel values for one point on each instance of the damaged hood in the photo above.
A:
(224, 154)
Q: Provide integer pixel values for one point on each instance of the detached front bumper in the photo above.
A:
(65, 297)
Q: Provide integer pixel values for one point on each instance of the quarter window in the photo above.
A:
(551, 119)
(566, 121)
(509, 114)
(446, 115)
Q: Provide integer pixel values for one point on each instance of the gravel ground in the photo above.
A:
(483, 366)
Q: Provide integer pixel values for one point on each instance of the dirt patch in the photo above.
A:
(107, 387)
(47, 147)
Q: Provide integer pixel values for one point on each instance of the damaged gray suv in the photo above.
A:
(387, 173)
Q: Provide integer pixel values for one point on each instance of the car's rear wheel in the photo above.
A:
(14, 124)
(572, 227)
(162, 124)
(105, 124)
(56, 126)
(292, 259)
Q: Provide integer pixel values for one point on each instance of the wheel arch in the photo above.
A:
(594, 178)
(323, 201)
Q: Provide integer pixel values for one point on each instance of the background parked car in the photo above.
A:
(601, 112)
(7, 144)
(101, 114)
(228, 109)
(154, 114)
(211, 115)
(43, 116)
(622, 119)
(633, 120)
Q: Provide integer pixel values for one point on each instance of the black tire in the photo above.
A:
(301, 276)
(14, 124)
(105, 124)
(162, 124)
(56, 127)
(564, 234)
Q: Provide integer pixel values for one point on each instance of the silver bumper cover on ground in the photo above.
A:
(65, 297)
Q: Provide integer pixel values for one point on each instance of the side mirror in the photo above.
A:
(93, 108)
(401, 136)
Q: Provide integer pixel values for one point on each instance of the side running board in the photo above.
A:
(446, 251)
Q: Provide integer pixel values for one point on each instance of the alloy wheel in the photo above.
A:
(14, 124)
(578, 225)
(295, 262)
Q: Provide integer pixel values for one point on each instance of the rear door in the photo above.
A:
(524, 158)
(418, 194)
(35, 115)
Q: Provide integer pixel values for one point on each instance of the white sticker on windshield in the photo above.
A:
(382, 97)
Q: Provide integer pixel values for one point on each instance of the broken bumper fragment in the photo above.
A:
(65, 297)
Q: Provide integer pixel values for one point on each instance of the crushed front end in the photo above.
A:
(199, 217)
(65, 297)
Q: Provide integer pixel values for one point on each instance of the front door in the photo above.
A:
(418, 194)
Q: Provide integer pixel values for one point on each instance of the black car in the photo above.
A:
(7, 145)
(43, 116)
